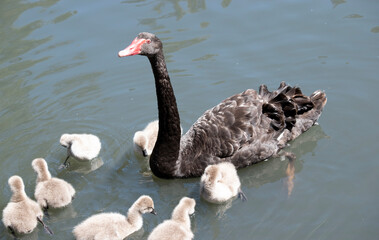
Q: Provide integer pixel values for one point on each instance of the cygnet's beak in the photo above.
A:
(144, 153)
(153, 212)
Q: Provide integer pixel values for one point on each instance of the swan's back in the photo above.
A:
(247, 128)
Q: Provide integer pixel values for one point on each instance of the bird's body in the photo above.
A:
(220, 182)
(51, 192)
(110, 226)
(83, 147)
(144, 140)
(244, 129)
(114, 226)
(179, 226)
(21, 214)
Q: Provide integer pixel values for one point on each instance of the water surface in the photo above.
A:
(59, 72)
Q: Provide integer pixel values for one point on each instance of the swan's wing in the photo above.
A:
(290, 109)
(248, 127)
(225, 128)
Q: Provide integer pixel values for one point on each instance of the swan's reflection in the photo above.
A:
(275, 169)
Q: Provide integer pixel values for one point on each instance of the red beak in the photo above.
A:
(133, 49)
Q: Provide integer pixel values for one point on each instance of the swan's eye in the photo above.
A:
(148, 41)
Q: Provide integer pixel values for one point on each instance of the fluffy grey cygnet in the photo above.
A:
(83, 147)
(21, 214)
(179, 226)
(113, 226)
(144, 140)
(220, 182)
(51, 192)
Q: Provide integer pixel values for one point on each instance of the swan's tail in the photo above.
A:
(290, 109)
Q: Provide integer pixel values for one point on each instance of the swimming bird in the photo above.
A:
(244, 129)
(51, 192)
(220, 182)
(83, 147)
(144, 140)
(179, 226)
(113, 226)
(21, 214)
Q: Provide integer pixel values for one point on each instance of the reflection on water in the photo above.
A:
(31, 236)
(375, 29)
(64, 16)
(85, 167)
(173, 46)
(219, 210)
(177, 11)
(274, 169)
(305, 143)
(59, 214)
(290, 172)
(337, 2)
(10, 11)
(353, 16)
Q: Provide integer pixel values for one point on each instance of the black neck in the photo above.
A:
(166, 149)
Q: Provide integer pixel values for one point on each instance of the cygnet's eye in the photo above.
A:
(148, 41)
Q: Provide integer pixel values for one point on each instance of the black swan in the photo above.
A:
(244, 129)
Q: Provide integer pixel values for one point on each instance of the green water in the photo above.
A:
(59, 73)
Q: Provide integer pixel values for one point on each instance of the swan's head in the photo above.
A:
(145, 43)
(16, 184)
(145, 204)
(140, 143)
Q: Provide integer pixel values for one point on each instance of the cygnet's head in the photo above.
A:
(40, 167)
(66, 140)
(188, 203)
(16, 184)
(145, 204)
(211, 175)
(140, 143)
